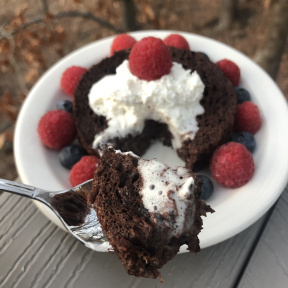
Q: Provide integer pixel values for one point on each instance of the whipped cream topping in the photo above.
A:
(167, 192)
(127, 102)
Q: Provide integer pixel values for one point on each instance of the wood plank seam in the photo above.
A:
(13, 222)
(22, 255)
(61, 262)
(254, 245)
(8, 198)
(79, 268)
(31, 260)
(7, 242)
(49, 261)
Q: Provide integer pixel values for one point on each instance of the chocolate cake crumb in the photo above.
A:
(139, 242)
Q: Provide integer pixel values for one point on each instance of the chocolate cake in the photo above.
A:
(147, 210)
(215, 124)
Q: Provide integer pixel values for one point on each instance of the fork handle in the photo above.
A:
(18, 188)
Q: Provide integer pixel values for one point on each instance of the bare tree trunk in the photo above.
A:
(45, 6)
(227, 13)
(269, 57)
(129, 15)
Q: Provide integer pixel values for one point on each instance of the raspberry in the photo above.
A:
(150, 59)
(57, 129)
(247, 118)
(121, 42)
(70, 79)
(231, 70)
(232, 165)
(177, 41)
(83, 170)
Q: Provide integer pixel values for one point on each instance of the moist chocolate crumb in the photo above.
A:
(137, 240)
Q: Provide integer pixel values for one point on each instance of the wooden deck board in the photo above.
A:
(36, 253)
(268, 267)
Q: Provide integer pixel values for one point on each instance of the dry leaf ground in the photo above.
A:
(25, 56)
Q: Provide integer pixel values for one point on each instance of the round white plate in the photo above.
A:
(236, 209)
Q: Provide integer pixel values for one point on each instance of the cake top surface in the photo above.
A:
(127, 101)
(210, 123)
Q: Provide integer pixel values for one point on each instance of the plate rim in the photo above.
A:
(160, 33)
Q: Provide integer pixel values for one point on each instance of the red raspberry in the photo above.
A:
(57, 129)
(121, 42)
(150, 59)
(231, 70)
(70, 79)
(247, 118)
(83, 170)
(232, 165)
(176, 40)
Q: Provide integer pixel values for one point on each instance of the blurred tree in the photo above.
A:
(227, 13)
(45, 6)
(129, 15)
(269, 56)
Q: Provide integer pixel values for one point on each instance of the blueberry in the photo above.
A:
(207, 187)
(245, 138)
(70, 155)
(242, 95)
(65, 105)
(205, 55)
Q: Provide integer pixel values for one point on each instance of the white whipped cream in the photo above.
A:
(127, 101)
(166, 192)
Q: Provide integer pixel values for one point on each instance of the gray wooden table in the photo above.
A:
(36, 253)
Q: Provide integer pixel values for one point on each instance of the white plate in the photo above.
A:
(235, 209)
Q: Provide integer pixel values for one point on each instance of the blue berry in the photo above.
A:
(245, 138)
(207, 187)
(205, 55)
(70, 155)
(65, 105)
(242, 95)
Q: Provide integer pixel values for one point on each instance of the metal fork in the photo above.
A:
(71, 207)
